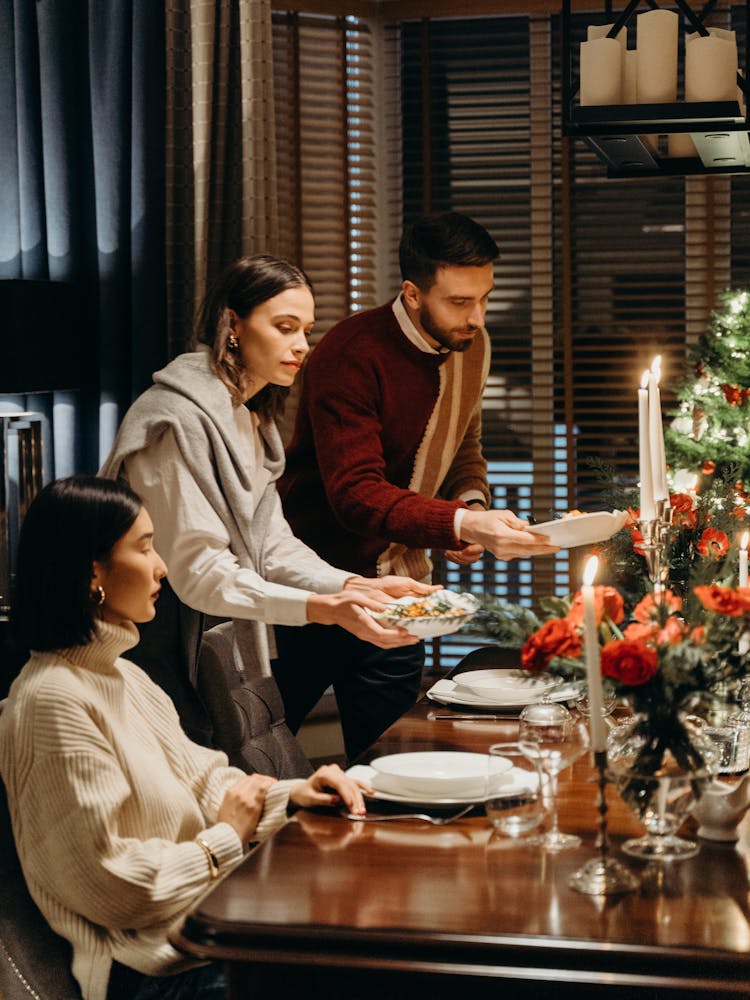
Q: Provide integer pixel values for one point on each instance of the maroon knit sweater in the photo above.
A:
(367, 395)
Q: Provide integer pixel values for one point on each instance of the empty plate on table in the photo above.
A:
(438, 773)
(445, 692)
(367, 773)
(503, 683)
(583, 529)
(437, 614)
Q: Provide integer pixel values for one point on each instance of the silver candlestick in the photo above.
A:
(603, 875)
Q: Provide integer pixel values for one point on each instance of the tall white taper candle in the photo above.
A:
(648, 510)
(593, 662)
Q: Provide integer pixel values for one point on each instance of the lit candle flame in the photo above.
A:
(656, 367)
(644, 379)
(589, 570)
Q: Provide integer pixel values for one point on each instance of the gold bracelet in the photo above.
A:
(213, 861)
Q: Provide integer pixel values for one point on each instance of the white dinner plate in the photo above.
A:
(445, 692)
(583, 529)
(516, 778)
(439, 773)
(499, 682)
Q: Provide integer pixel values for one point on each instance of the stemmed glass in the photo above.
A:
(549, 735)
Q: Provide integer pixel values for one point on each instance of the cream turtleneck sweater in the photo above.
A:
(106, 795)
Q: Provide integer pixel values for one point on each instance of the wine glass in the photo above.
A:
(551, 736)
(609, 702)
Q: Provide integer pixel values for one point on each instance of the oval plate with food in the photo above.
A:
(440, 613)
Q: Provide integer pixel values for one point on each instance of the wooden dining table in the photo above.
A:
(397, 909)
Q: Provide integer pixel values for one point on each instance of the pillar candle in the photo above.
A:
(597, 725)
(743, 559)
(656, 45)
(601, 72)
(656, 434)
(648, 510)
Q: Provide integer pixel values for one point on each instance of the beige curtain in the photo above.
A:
(221, 193)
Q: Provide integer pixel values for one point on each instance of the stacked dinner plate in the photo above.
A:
(499, 688)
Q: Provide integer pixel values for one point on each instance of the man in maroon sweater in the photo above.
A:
(386, 462)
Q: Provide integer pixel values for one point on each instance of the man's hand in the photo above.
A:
(504, 534)
(464, 557)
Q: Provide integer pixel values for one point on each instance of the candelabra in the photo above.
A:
(603, 875)
(655, 533)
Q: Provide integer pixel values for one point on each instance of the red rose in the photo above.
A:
(646, 610)
(673, 632)
(683, 510)
(607, 601)
(638, 631)
(713, 543)
(630, 662)
(556, 637)
(724, 600)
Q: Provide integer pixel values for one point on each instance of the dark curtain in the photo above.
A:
(82, 99)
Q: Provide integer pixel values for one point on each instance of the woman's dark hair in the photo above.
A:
(70, 524)
(245, 284)
(439, 240)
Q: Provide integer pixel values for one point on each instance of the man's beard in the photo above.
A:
(451, 338)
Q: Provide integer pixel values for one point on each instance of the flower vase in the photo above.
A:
(660, 764)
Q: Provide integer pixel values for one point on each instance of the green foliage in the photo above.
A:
(508, 625)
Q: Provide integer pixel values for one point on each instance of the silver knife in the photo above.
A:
(473, 718)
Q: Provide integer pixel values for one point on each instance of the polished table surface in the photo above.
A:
(363, 910)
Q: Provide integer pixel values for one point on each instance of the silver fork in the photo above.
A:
(423, 817)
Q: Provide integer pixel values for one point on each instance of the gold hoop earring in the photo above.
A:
(98, 597)
(232, 342)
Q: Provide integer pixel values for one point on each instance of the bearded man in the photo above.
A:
(385, 462)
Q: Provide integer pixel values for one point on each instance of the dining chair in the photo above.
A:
(247, 713)
(34, 961)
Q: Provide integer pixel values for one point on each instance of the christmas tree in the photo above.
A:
(710, 435)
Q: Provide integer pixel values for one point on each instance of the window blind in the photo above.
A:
(324, 99)
(635, 266)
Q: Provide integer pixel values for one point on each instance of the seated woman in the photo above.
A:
(119, 820)
(202, 448)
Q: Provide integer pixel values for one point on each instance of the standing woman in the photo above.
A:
(202, 449)
(119, 820)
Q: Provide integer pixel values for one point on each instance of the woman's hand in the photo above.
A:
(329, 786)
(243, 802)
(390, 587)
(347, 609)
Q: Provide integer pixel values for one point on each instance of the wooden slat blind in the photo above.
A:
(596, 275)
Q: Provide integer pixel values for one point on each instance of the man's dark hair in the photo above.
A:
(439, 240)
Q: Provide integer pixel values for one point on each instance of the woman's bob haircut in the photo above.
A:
(69, 525)
(241, 287)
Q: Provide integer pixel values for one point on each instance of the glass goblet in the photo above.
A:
(551, 736)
